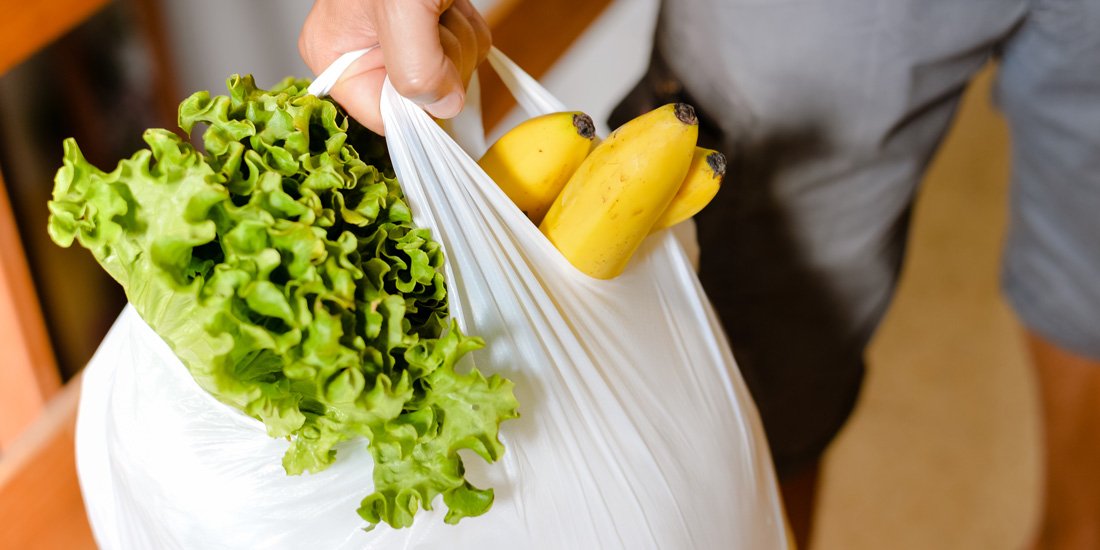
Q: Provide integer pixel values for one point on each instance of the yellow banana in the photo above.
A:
(703, 179)
(596, 141)
(609, 205)
(532, 161)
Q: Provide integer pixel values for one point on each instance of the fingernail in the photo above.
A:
(447, 107)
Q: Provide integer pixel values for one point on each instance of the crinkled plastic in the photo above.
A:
(636, 432)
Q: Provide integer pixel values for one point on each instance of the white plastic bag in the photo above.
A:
(636, 429)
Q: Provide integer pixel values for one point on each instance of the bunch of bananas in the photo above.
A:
(598, 200)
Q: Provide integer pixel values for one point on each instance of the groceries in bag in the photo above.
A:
(597, 207)
(284, 269)
(534, 160)
(637, 431)
(703, 180)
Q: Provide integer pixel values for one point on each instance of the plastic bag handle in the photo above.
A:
(324, 82)
(531, 96)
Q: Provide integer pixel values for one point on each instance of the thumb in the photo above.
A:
(416, 62)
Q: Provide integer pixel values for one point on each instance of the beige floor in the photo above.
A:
(941, 453)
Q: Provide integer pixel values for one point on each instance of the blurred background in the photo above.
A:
(941, 452)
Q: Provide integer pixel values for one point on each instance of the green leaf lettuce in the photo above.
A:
(283, 269)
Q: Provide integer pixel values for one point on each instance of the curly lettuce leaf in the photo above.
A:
(282, 267)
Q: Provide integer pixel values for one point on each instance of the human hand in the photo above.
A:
(429, 49)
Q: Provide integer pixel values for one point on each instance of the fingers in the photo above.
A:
(472, 36)
(332, 28)
(455, 25)
(430, 49)
(481, 29)
(359, 90)
(415, 56)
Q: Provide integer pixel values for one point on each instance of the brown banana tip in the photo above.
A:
(686, 113)
(717, 162)
(584, 125)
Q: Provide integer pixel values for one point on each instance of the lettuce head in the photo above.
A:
(281, 265)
